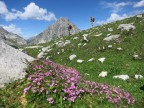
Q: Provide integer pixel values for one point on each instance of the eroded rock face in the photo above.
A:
(58, 29)
(12, 63)
(11, 38)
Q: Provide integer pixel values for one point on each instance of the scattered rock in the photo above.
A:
(60, 44)
(123, 77)
(103, 74)
(98, 35)
(102, 59)
(79, 44)
(67, 42)
(109, 46)
(45, 48)
(86, 74)
(138, 76)
(126, 27)
(119, 49)
(109, 34)
(139, 16)
(80, 61)
(136, 56)
(85, 37)
(71, 57)
(92, 59)
(112, 37)
(84, 44)
(110, 29)
(75, 38)
(40, 55)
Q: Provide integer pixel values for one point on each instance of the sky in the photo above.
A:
(28, 18)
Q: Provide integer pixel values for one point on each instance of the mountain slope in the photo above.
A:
(11, 38)
(121, 43)
(58, 29)
(119, 59)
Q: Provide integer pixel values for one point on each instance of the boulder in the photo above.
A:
(103, 74)
(112, 37)
(126, 27)
(123, 77)
(12, 63)
(71, 57)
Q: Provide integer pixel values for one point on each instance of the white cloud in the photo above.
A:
(31, 11)
(12, 28)
(139, 4)
(3, 8)
(113, 17)
(116, 7)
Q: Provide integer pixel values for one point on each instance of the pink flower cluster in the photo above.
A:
(57, 81)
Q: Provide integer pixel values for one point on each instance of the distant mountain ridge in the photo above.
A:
(58, 29)
(11, 38)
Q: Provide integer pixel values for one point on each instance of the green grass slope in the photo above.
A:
(116, 62)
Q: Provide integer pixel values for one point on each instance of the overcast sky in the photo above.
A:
(30, 17)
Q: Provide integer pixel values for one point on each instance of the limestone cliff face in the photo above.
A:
(11, 38)
(58, 29)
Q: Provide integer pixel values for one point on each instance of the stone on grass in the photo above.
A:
(138, 76)
(40, 55)
(86, 74)
(80, 61)
(45, 48)
(139, 16)
(75, 38)
(84, 44)
(119, 49)
(98, 35)
(126, 27)
(85, 37)
(110, 29)
(92, 59)
(109, 46)
(136, 56)
(103, 74)
(123, 77)
(67, 42)
(71, 57)
(79, 44)
(112, 37)
(102, 59)
(60, 44)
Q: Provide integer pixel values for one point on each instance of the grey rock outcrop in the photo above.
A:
(12, 63)
(11, 38)
(58, 29)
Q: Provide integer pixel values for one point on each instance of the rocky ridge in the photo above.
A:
(11, 38)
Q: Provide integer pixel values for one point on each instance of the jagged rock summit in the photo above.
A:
(58, 29)
(11, 38)
(12, 63)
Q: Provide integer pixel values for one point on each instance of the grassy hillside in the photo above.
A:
(116, 63)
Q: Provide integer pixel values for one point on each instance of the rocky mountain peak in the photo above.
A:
(58, 29)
